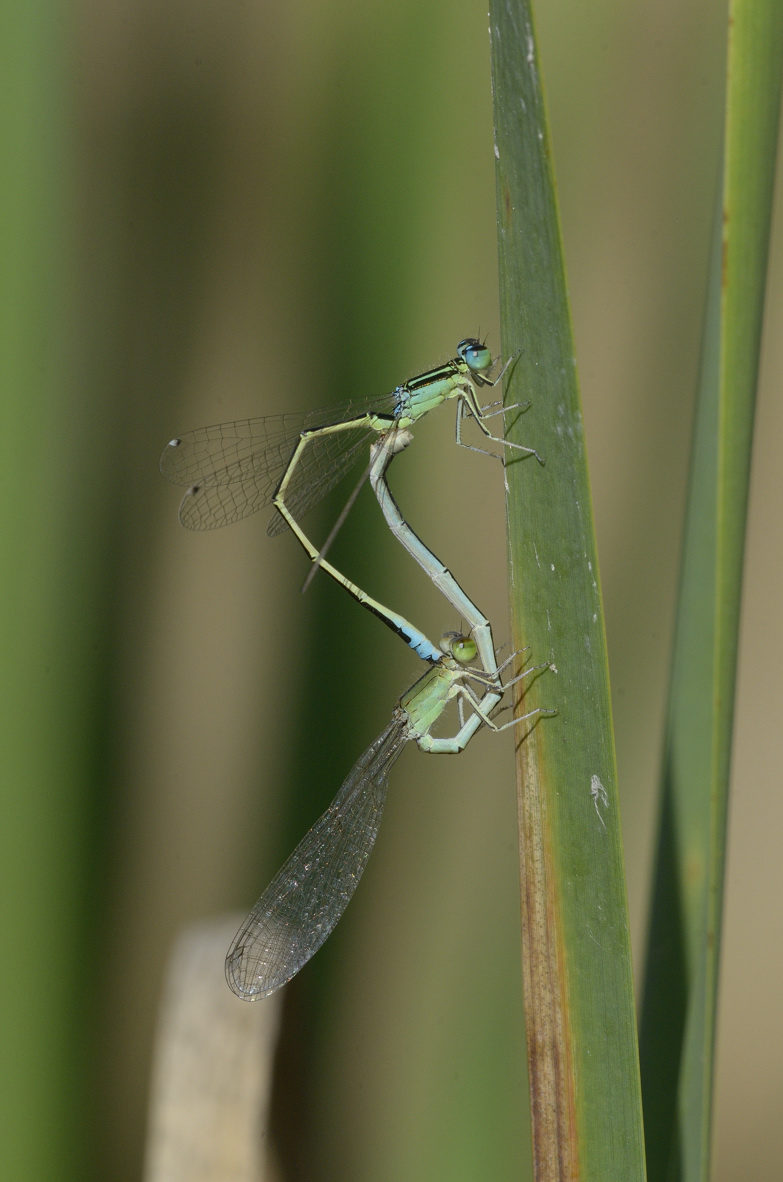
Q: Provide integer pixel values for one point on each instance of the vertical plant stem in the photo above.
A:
(46, 646)
(680, 1001)
(579, 1002)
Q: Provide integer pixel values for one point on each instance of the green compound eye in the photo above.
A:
(475, 355)
(461, 648)
(464, 650)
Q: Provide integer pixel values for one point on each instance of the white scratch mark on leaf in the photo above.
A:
(599, 793)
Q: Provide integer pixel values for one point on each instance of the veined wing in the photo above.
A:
(212, 504)
(321, 465)
(242, 463)
(307, 896)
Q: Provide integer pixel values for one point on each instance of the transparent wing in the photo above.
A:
(321, 466)
(307, 896)
(234, 468)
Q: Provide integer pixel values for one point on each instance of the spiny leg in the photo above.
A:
(469, 408)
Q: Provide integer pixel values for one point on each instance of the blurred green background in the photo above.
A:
(223, 210)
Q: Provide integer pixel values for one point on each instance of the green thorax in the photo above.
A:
(424, 393)
(425, 701)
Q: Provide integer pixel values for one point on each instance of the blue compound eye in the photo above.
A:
(475, 355)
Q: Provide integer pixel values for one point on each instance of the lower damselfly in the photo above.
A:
(309, 894)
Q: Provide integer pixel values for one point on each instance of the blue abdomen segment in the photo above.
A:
(416, 640)
(422, 647)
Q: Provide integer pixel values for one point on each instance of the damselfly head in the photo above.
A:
(475, 354)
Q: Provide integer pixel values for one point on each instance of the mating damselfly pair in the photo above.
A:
(291, 462)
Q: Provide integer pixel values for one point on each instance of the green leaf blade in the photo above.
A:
(578, 985)
(680, 1002)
